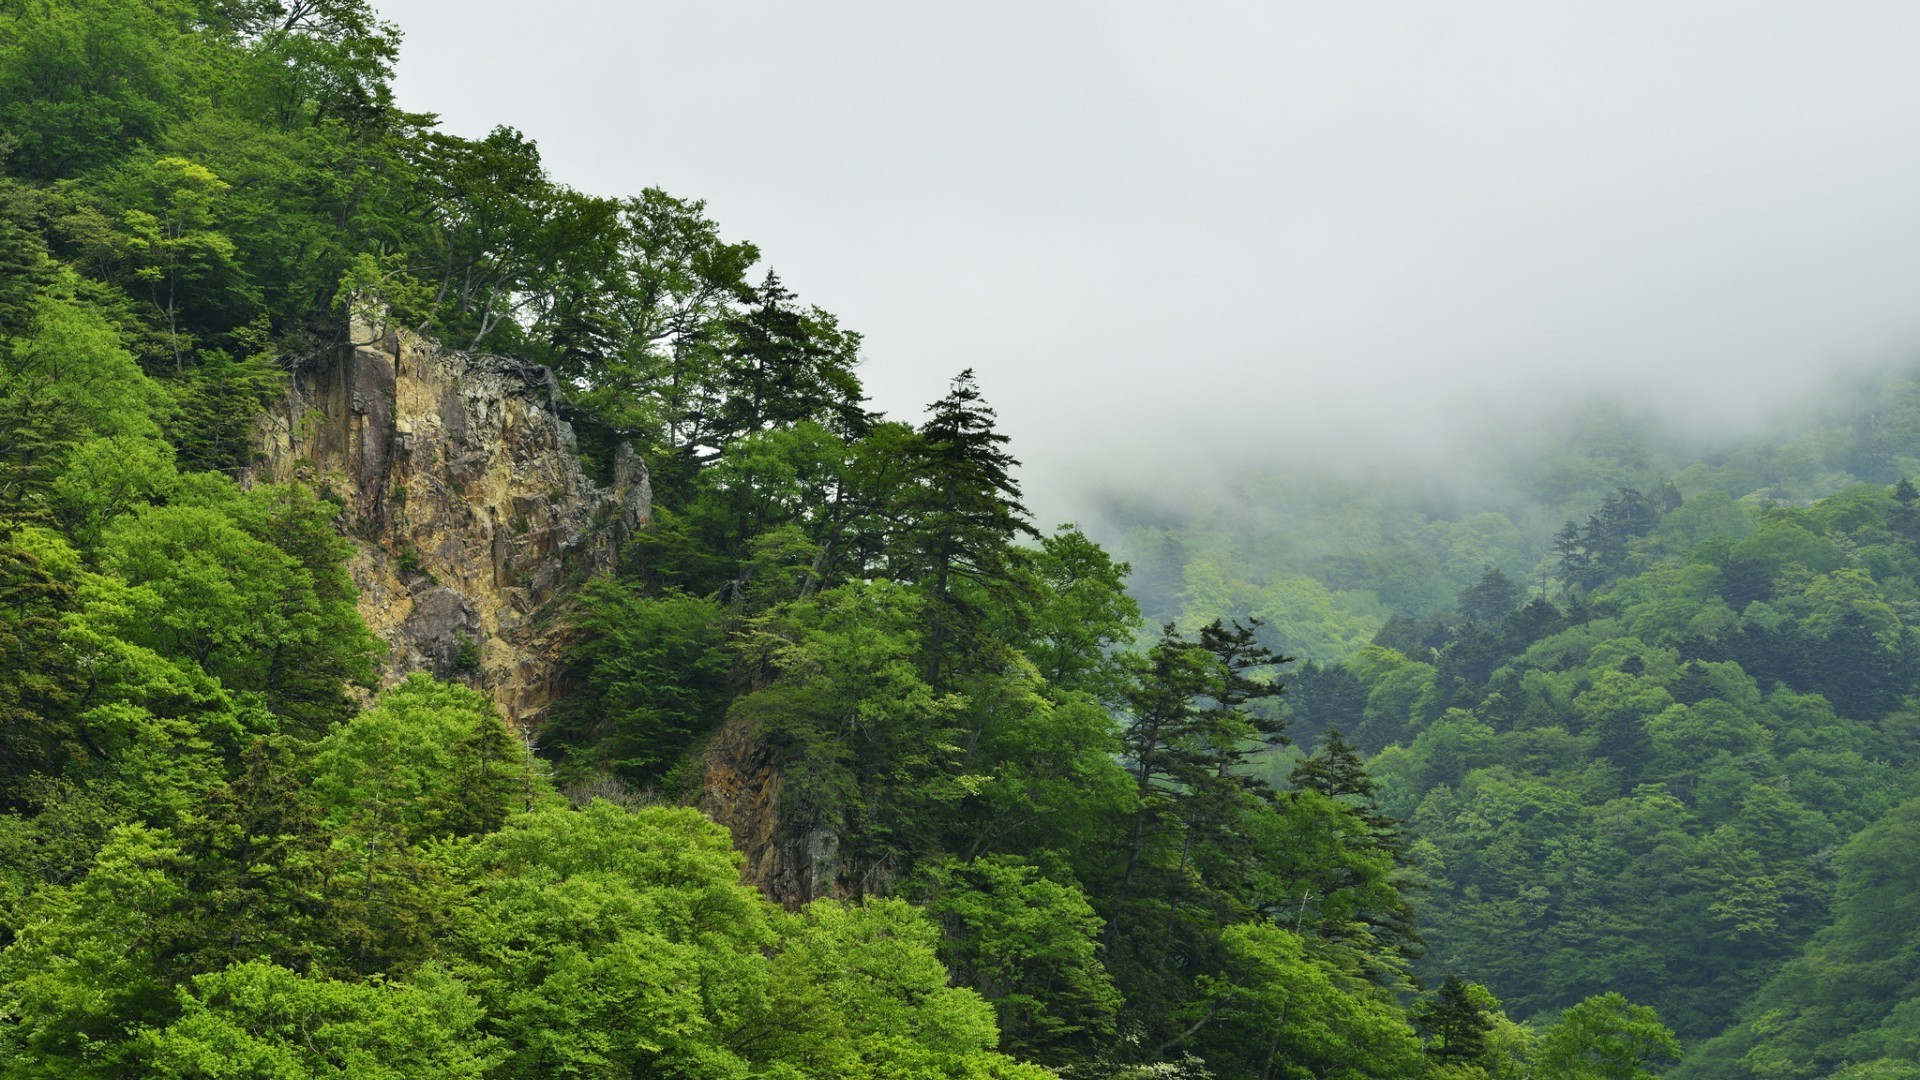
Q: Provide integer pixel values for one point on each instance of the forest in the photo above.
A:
(1598, 768)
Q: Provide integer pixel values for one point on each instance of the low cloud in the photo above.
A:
(1260, 235)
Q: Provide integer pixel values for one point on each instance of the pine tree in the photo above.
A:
(1334, 769)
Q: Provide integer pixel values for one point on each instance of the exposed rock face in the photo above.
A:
(790, 862)
(740, 786)
(466, 500)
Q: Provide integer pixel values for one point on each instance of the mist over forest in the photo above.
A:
(1006, 542)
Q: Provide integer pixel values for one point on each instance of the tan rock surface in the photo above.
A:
(465, 499)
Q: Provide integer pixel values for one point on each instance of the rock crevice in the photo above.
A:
(465, 498)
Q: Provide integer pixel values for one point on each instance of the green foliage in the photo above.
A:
(1842, 1001)
(1277, 1010)
(1080, 614)
(866, 743)
(84, 83)
(429, 760)
(606, 941)
(259, 1020)
(41, 688)
(1604, 1038)
(654, 672)
(1456, 1026)
(200, 581)
(874, 964)
(1029, 945)
(1623, 757)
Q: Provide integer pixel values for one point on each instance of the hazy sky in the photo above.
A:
(1150, 225)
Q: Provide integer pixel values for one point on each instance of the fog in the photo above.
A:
(1178, 242)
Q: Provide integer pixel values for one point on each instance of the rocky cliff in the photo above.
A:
(466, 501)
(740, 782)
(790, 862)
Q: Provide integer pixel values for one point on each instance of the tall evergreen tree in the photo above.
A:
(1488, 600)
(1455, 1024)
(959, 517)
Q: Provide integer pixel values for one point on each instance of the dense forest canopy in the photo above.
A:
(1608, 776)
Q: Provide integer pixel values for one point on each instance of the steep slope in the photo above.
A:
(465, 499)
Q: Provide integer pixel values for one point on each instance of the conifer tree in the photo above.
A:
(1455, 1024)
(959, 518)
(1488, 600)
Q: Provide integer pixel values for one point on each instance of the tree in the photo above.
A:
(1344, 860)
(1080, 613)
(1187, 857)
(604, 941)
(41, 687)
(256, 1019)
(184, 261)
(653, 672)
(84, 83)
(507, 237)
(1604, 1037)
(959, 518)
(1488, 600)
(638, 337)
(199, 580)
(783, 365)
(1455, 1024)
(67, 379)
(1028, 945)
(868, 750)
(1278, 1010)
(94, 960)
(258, 868)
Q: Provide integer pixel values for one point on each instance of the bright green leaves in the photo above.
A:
(91, 960)
(199, 581)
(66, 380)
(867, 746)
(877, 972)
(1029, 945)
(604, 942)
(174, 248)
(607, 942)
(429, 760)
(192, 584)
(1604, 1038)
(83, 82)
(1081, 613)
(1278, 1010)
(255, 1021)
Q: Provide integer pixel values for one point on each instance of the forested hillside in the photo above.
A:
(1649, 721)
(1640, 773)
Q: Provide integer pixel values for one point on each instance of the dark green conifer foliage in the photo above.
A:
(959, 517)
(1455, 1025)
(260, 868)
(1488, 600)
(40, 685)
(784, 365)
(1335, 770)
(1904, 520)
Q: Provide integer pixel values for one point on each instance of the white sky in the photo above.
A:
(1152, 225)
